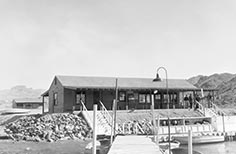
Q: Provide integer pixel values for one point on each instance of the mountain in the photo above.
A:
(21, 91)
(225, 83)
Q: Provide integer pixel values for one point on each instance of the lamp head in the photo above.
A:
(157, 78)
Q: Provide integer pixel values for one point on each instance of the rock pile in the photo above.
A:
(51, 127)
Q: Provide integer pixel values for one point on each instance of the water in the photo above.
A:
(216, 148)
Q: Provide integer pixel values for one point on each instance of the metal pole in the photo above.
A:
(190, 144)
(168, 104)
(153, 119)
(94, 128)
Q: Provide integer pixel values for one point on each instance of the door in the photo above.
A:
(96, 97)
(157, 101)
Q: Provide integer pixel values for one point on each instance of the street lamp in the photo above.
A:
(157, 79)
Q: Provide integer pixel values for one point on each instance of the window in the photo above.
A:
(158, 97)
(122, 96)
(80, 97)
(55, 99)
(131, 97)
(148, 98)
(144, 98)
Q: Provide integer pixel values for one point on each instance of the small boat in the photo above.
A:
(15, 111)
(201, 139)
(165, 144)
(183, 151)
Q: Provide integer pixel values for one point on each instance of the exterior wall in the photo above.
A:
(28, 105)
(13, 104)
(56, 88)
(89, 99)
(107, 98)
(69, 99)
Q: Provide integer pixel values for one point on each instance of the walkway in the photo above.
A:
(134, 144)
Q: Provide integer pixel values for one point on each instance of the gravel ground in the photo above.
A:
(60, 147)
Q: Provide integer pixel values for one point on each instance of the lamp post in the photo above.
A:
(167, 93)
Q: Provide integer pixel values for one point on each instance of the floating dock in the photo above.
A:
(134, 144)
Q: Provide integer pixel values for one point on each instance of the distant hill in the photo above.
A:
(224, 82)
(18, 92)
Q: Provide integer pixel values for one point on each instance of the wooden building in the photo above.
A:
(66, 93)
(27, 103)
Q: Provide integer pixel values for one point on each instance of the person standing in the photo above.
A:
(186, 101)
(190, 99)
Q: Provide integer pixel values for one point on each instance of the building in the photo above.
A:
(66, 93)
(27, 103)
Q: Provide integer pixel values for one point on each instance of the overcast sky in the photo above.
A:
(120, 38)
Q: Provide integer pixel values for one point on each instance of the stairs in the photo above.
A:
(104, 120)
(103, 127)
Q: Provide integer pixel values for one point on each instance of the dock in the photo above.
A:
(134, 144)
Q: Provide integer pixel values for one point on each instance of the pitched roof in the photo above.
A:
(123, 83)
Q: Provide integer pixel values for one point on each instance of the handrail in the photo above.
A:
(212, 106)
(105, 113)
(86, 111)
(217, 110)
(201, 108)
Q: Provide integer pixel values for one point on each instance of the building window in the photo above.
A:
(158, 97)
(80, 97)
(144, 98)
(148, 98)
(55, 99)
(131, 97)
(122, 96)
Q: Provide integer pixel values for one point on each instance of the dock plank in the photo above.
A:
(134, 144)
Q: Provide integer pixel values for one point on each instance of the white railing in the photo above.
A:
(183, 129)
(134, 128)
(217, 110)
(87, 114)
(105, 113)
(200, 108)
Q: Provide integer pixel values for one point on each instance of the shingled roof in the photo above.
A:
(123, 83)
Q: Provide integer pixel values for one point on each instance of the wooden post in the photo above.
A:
(223, 122)
(158, 126)
(169, 133)
(113, 121)
(43, 106)
(94, 128)
(115, 106)
(190, 144)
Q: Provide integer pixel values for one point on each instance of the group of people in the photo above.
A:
(189, 101)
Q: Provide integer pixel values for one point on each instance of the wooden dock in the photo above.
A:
(134, 144)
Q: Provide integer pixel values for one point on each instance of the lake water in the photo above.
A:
(217, 148)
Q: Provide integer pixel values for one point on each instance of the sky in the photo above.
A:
(116, 38)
